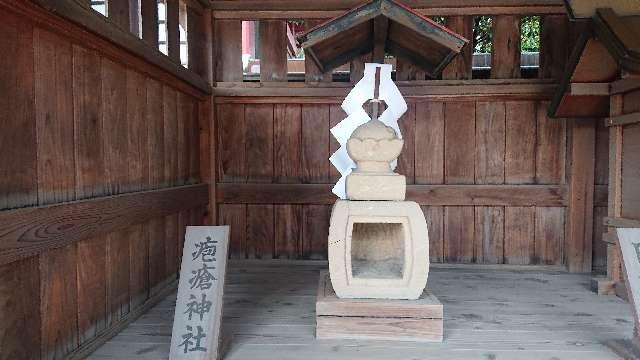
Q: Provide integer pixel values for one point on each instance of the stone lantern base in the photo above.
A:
(378, 249)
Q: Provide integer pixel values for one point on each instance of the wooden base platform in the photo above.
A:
(377, 319)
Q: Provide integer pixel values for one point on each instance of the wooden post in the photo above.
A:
(614, 270)
(312, 73)
(380, 32)
(505, 56)
(149, 13)
(581, 187)
(356, 67)
(119, 13)
(194, 41)
(273, 50)
(461, 66)
(554, 49)
(407, 71)
(227, 45)
(173, 29)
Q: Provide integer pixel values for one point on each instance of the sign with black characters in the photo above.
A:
(196, 323)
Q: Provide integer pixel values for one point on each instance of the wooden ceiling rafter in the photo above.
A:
(382, 26)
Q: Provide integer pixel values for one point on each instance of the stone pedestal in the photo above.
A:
(418, 320)
(378, 249)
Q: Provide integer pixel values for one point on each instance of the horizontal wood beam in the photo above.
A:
(590, 89)
(618, 222)
(29, 231)
(451, 195)
(99, 33)
(626, 119)
(257, 9)
(412, 91)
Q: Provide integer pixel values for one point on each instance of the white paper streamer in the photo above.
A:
(362, 92)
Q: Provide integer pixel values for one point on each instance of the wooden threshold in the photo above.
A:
(29, 231)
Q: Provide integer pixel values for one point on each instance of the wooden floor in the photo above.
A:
(490, 314)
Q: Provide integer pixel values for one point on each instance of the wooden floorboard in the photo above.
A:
(490, 313)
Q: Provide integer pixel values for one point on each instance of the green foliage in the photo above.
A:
(482, 36)
(530, 34)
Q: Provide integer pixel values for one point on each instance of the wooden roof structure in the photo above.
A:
(610, 44)
(381, 26)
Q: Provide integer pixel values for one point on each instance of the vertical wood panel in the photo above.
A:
(92, 287)
(435, 218)
(406, 159)
(460, 67)
(578, 251)
(356, 67)
(429, 153)
(260, 241)
(157, 254)
(287, 143)
(155, 133)
(169, 103)
(489, 234)
(520, 158)
(554, 46)
(630, 181)
(273, 50)
(137, 157)
(118, 262)
(236, 217)
(315, 143)
(519, 235)
(459, 142)
(20, 309)
(18, 166)
(288, 231)
(490, 142)
(231, 138)
(549, 235)
(171, 244)
(550, 148)
(87, 109)
(184, 126)
(195, 41)
(599, 261)
(315, 231)
(259, 142)
(118, 12)
(228, 50)
(58, 291)
(114, 122)
(458, 234)
(602, 154)
(139, 265)
(336, 115)
(505, 56)
(54, 118)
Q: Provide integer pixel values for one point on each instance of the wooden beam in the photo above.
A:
(380, 32)
(580, 196)
(227, 53)
(282, 9)
(460, 67)
(94, 32)
(626, 119)
(590, 89)
(273, 50)
(322, 92)
(119, 13)
(29, 231)
(618, 222)
(450, 195)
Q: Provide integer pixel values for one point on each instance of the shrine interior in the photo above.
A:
(122, 122)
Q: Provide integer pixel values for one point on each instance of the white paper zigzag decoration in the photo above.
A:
(362, 92)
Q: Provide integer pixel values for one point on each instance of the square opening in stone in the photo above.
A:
(377, 250)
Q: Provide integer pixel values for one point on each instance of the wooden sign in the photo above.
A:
(629, 239)
(196, 323)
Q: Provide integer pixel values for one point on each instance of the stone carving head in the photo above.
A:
(372, 146)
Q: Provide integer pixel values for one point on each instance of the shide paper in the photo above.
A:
(362, 92)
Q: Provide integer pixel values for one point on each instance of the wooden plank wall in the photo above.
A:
(465, 139)
(82, 119)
